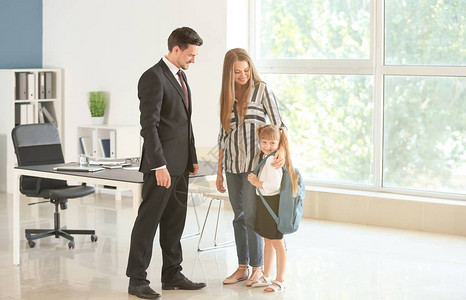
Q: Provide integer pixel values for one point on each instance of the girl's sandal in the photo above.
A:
(234, 279)
(254, 276)
(261, 282)
(276, 286)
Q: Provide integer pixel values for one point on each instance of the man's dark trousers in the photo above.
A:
(167, 208)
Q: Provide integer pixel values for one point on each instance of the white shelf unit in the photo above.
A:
(23, 103)
(124, 141)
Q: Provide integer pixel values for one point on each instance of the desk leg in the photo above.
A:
(16, 217)
(118, 194)
(118, 198)
(137, 198)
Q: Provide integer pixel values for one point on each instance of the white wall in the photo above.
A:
(107, 44)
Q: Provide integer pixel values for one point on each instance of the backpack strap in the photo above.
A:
(256, 171)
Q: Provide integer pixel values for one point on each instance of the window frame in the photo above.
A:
(374, 66)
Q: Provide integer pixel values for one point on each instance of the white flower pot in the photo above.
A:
(97, 120)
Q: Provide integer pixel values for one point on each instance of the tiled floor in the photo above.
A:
(326, 260)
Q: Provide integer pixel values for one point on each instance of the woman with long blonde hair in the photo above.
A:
(246, 103)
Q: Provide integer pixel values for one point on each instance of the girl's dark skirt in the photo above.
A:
(265, 225)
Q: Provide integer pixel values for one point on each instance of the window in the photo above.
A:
(330, 119)
(425, 133)
(373, 91)
(425, 32)
(317, 29)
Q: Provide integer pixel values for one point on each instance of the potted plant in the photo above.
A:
(97, 105)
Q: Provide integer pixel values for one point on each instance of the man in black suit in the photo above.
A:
(168, 155)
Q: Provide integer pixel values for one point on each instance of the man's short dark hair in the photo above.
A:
(183, 37)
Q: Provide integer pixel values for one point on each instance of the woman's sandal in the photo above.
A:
(276, 286)
(261, 282)
(233, 279)
(253, 278)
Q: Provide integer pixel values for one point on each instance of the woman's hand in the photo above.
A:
(219, 184)
(279, 158)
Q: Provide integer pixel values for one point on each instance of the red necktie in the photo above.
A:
(184, 87)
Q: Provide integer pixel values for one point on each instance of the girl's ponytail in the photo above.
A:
(289, 165)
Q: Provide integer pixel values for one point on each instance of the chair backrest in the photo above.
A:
(37, 144)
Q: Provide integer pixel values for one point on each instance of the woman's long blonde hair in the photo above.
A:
(272, 132)
(227, 94)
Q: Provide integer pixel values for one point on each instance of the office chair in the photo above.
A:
(39, 144)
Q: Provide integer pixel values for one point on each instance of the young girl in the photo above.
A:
(268, 182)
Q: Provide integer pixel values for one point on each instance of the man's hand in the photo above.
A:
(163, 177)
(196, 168)
(279, 159)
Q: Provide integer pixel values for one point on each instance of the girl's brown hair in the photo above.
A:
(227, 93)
(272, 132)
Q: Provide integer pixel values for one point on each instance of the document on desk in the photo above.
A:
(107, 162)
(79, 168)
(113, 166)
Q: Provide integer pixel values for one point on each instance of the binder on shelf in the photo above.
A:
(21, 86)
(23, 119)
(31, 86)
(26, 114)
(112, 144)
(17, 114)
(48, 85)
(94, 143)
(41, 85)
(84, 142)
(105, 147)
(41, 114)
(81, 144)
(30, 113)
(49, 116)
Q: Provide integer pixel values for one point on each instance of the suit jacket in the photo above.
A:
(165, 121)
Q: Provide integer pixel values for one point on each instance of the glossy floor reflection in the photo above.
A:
(326, 260)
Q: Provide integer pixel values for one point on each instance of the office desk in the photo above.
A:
(121, 178)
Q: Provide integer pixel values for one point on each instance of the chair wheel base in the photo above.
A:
(34, 234)
(71, 245)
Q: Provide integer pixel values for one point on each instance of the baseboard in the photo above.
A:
(388, 210)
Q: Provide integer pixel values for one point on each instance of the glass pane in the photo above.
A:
(425, 32)
(425, 133)
(320, 29)
(329, 120)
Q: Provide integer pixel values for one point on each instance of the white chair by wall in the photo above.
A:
(213, 195)
(195, 199)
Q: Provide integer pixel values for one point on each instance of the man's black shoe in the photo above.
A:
(183, 284)
(143, 291)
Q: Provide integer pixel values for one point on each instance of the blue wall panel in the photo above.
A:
(20, 34)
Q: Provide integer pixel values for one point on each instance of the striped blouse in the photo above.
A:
(241, 144)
